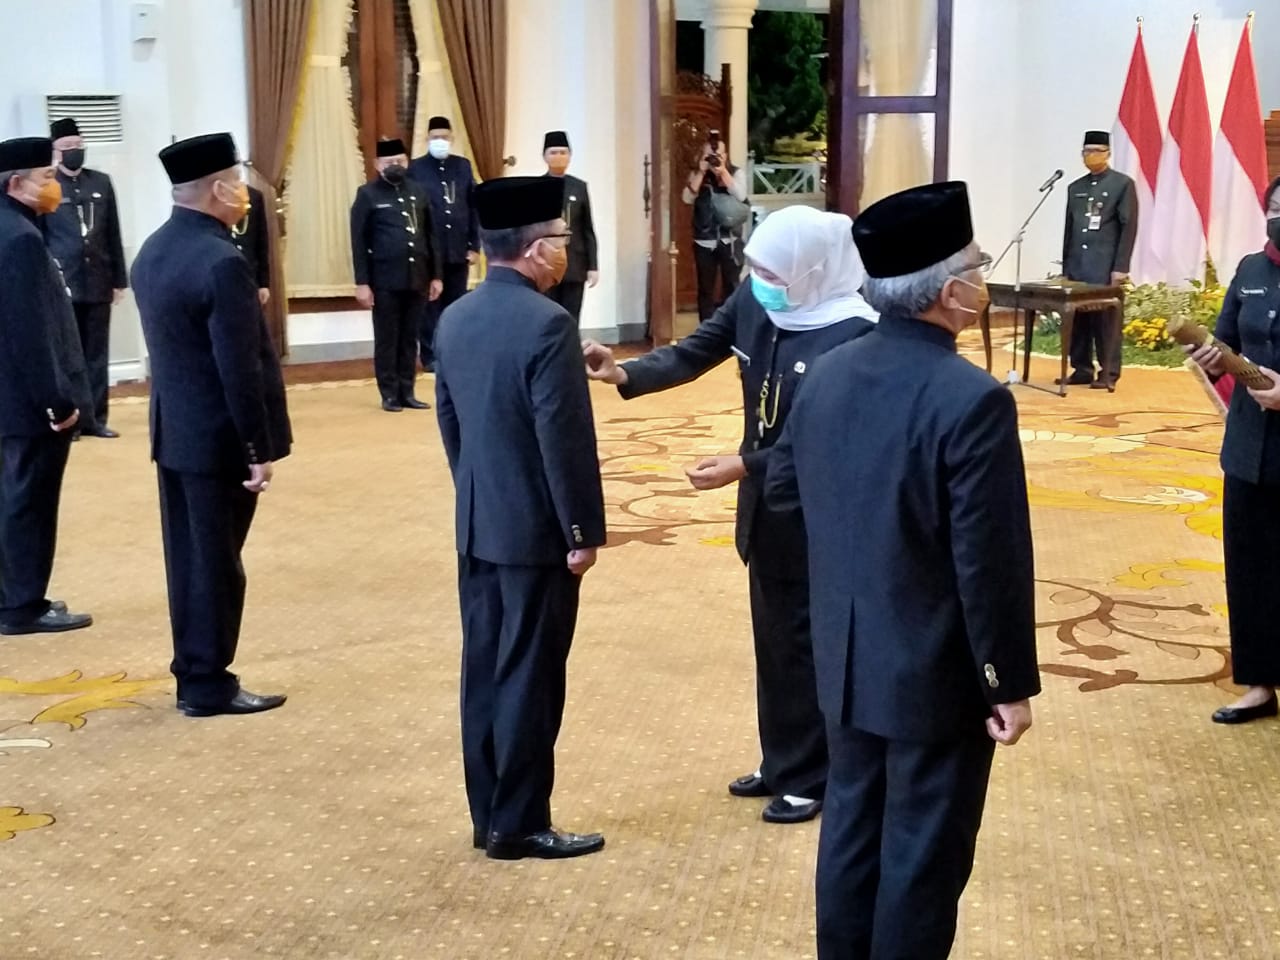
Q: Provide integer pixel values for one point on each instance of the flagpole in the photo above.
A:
(1195, 25)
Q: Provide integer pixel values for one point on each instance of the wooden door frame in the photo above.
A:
(845, 163)
(662, 249)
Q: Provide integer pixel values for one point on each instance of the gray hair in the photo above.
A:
(508, 244)
(193, 191)
(7, 175)
(914, 293)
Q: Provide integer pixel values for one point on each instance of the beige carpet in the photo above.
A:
(1125, 826)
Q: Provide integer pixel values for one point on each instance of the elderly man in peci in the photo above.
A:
(905, 460)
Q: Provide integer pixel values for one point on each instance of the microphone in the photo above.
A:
(1057, 175)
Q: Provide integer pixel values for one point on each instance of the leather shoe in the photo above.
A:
(780, 811)
(752, 785)
(1077, 379)
(243, 702)
(52, 620)
(1268, 708)
(105, 433)
(547, 844)
(478, 839)
(413, 403)
(1103, 385)
(391, 406)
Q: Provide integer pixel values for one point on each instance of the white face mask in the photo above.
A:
(438, 148)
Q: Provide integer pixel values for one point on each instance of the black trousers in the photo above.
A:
(397, 318)
(568, 294)
(455, 285)
(899, 828)
(723, 264)
(517, 626)
(1250, 527)
(1100, 331)
(793, 735)
(94, 321)
(204, 521)
(31, 471)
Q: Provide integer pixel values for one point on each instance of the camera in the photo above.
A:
(713, 161)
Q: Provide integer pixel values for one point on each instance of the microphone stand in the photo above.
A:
(1012, 378)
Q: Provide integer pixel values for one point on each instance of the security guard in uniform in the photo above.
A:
(583, 269)
(43, 388)
(905, 459)
(249, 236)
(1101, 227)
(84, 237)
(218, 415)
(397, 269)
(515, 417)
(450, 184)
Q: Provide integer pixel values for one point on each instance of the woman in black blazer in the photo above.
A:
(1249, 324)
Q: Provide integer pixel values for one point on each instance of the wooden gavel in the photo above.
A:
(1245, 371)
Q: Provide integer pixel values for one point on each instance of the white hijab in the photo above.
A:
(812, 252)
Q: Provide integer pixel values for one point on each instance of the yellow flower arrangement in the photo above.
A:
(1149, 333)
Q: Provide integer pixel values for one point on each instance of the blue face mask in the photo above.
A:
(770, 295)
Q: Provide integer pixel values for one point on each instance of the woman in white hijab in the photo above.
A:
(802, 300)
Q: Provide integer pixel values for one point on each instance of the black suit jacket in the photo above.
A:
(250, 237)
(906, 461)
(93, 264)
(456, 224)
(763, 352)
(392, 245)
(42, 369)
(1248, 325)
(582, 243)
(515, 417)
(217, 395)
(1093, 255)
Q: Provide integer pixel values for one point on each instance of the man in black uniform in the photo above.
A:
(450, 184)
(515, 417)
(218, 416)
(906, 462)
(84, 237)
(42, 389)
(583, 267)
(397, 268)
(1101, 226)
(250, 237)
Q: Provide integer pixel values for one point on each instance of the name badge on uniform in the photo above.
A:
(1095, 222)
(381, 206)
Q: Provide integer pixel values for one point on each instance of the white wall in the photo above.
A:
(1032, 75)
(189, 80)
(583, 66)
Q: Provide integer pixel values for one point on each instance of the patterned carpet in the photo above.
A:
(1125, 826)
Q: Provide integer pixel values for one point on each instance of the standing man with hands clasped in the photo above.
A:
(43, 388)
(218, 416)
(905, 460)
(515, 418)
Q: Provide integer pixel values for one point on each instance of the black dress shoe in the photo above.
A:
(105, 433)
(478, 838)
(1268, 708)
(243, 702)
(780, 811)
(1103, 385)
(752, 785)
(391, 406)
(413, 403)
(547, 844)
(52, 620)
(1077, 379)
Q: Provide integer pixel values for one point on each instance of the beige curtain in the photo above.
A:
(325, 167)
(475, 36)
(436, 95)
(900, 39)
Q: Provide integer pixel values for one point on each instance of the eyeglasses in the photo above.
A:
(556, 236)
(983, 264)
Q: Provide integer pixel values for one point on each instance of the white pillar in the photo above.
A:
(725, 24)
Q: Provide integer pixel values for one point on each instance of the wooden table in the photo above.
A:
(1064, 297)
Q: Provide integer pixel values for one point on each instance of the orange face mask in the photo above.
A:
(48, 196)
(1097, 162)
(557, 261)
(240, 202)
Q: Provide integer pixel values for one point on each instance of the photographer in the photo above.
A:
(717, 191)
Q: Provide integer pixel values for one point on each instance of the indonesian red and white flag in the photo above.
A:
(1238, 226)
(1184, 187)
(1135, 151)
